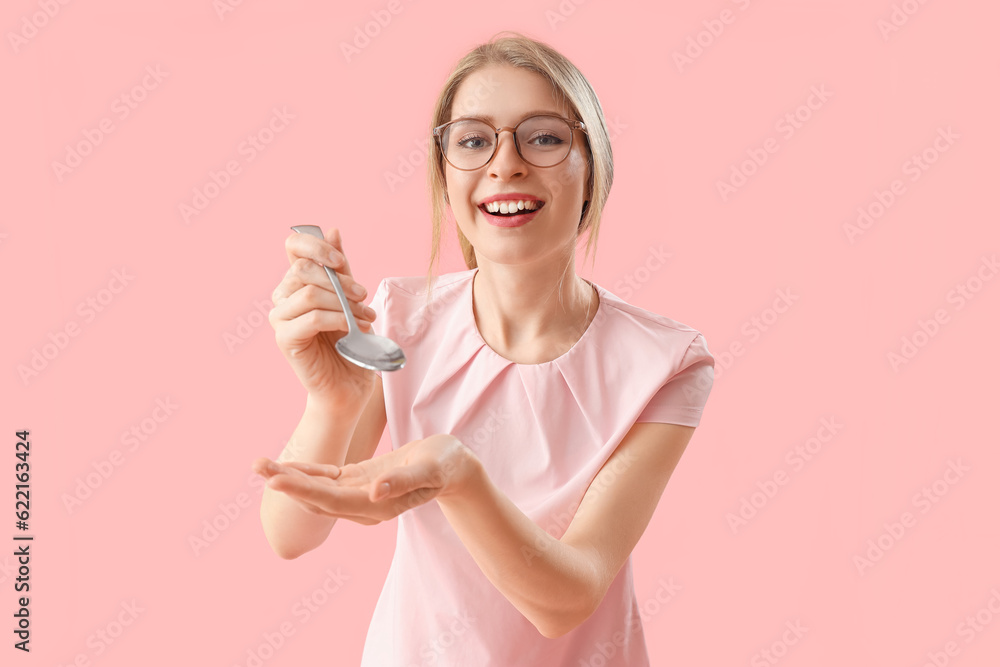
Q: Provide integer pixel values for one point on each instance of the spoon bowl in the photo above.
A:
(370, 351)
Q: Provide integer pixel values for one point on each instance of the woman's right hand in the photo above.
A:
(308, 320)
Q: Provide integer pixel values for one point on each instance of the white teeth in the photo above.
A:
(511, 206)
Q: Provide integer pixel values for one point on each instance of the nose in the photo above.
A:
(506, 161)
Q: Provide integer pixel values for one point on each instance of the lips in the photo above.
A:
(515, 220)
(511, 211)
(511, 196)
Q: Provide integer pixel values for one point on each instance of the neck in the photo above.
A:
(535, 312)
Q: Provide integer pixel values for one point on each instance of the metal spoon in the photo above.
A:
(371, 351)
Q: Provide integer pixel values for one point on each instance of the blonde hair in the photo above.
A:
(570, 86)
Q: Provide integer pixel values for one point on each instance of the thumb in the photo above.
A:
(399, 482)
(334, 239)
(337, 241)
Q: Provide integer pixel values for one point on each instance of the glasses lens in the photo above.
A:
(468, 144)
(544, 140)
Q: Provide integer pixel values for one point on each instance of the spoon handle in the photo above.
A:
(352, 325)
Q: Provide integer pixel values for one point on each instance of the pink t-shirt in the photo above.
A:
(543, 432)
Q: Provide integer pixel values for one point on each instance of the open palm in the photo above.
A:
(415, 473)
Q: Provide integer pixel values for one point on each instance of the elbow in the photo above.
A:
(286, 554)
(286, 546)
(590, 589)
(563, 621)
(284, 551)
(552, 632)
(554, 628)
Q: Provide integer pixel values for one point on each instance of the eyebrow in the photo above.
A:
(528, 114)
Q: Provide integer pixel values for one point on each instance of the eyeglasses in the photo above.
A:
(541, 141)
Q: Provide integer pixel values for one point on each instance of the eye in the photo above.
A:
(469, 141)
(546, 139)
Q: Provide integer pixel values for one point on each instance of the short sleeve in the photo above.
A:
(378, 305)
(682, 398)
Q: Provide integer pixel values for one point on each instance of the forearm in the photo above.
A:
(552, 584)
(322, 436)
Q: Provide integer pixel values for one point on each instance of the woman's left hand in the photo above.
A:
(415, 473)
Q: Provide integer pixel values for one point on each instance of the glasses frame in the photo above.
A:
(438, 133)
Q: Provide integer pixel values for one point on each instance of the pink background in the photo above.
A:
(681, 129)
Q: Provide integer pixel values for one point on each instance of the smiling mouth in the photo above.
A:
(535, 206)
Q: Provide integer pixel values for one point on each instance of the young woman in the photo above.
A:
(538, 417)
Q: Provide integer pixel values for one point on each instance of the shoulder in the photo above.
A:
(640, 324)
(404, 308)
(416, 286)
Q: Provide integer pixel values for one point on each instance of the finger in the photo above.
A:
(319, 251)
(271, 468)
(371, 514)
(327, 495)
(305, 327)
(408, 501)
(260, 466)
(357, 474)
(304, 271)
(319, 511)
(351, 506)
(335, 239)
(315, 469)
(319, 297)
(313, 274)
(405, 479)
